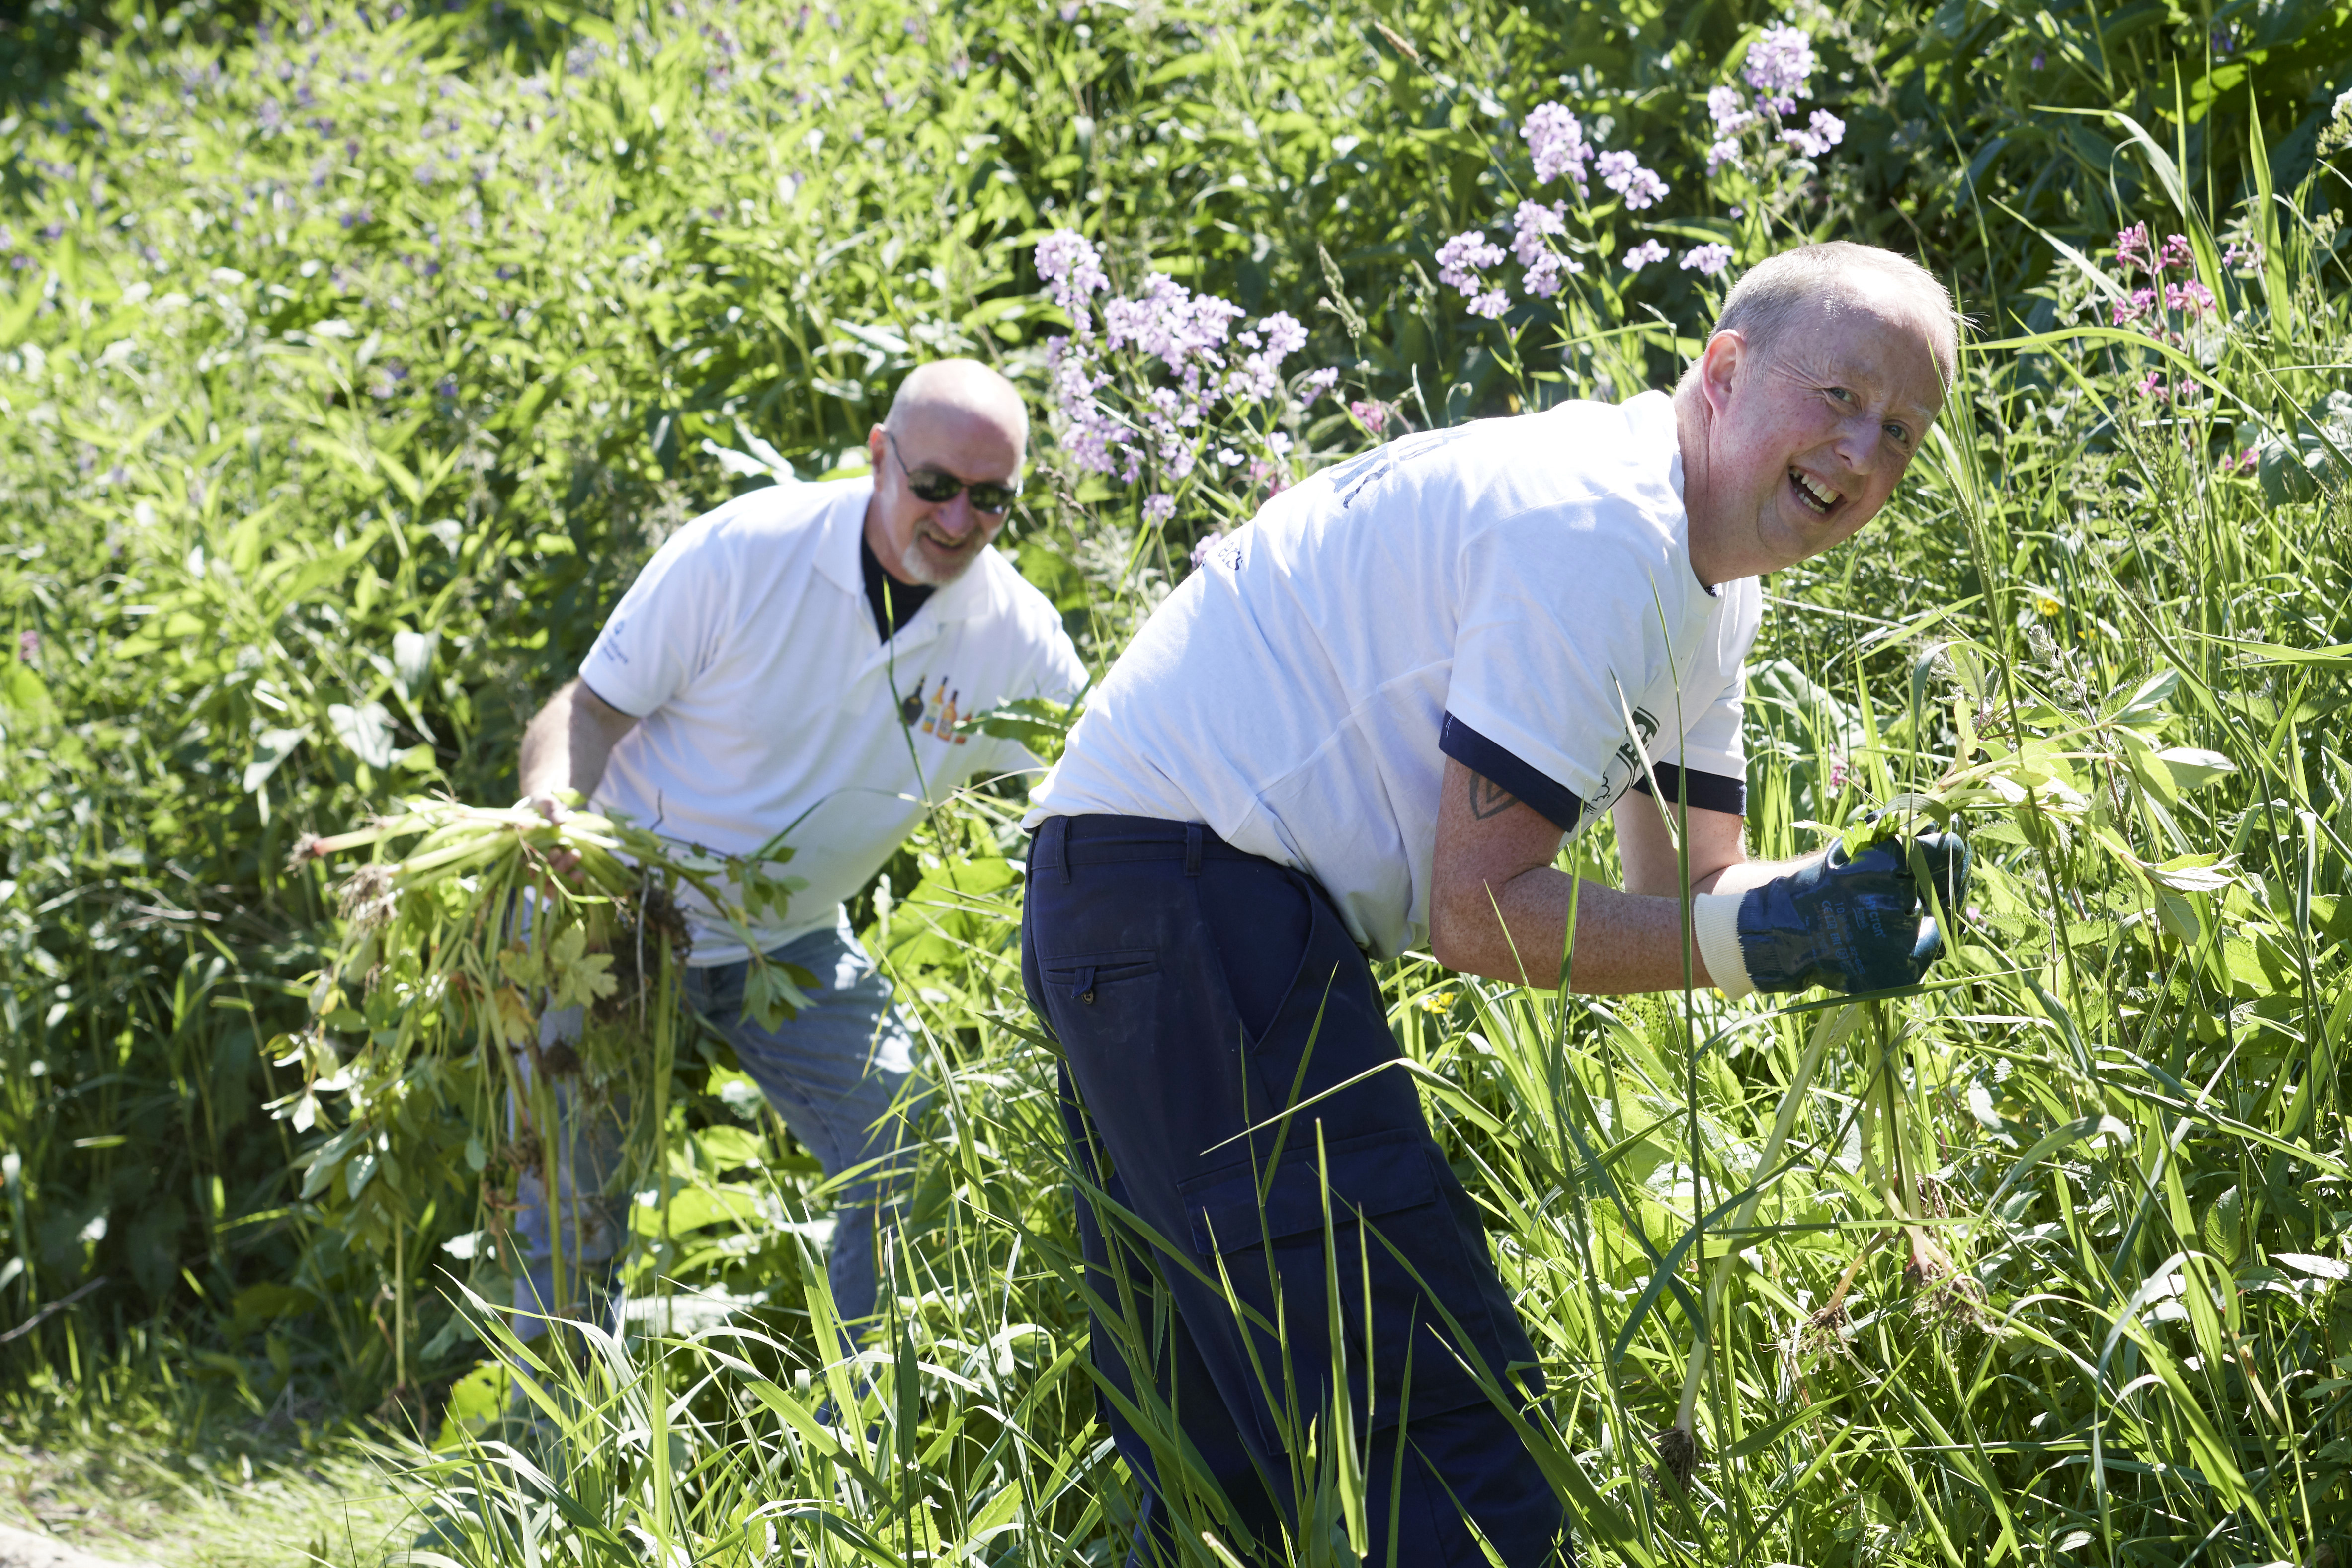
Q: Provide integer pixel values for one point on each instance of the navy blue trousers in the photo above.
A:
(1208, 1005)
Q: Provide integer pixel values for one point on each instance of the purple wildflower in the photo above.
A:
(1623, 173)
(1260, 374)
(1491, 304)
(1158, 509)
(1824, 131)
(1072, 268)
(28, 643)
(1728, 111)
(1642, 255)
(1707, 261)
(1556, 139)
(1778, 65)
(1320, 381)
(2178, 252)
(1462, 258)
(1726, 152)
(1532, 222)
(1166, 322)
(1543, 276)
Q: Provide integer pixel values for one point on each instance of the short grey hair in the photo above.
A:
(1776, 293)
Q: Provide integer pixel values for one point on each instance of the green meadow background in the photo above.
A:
(354, 358)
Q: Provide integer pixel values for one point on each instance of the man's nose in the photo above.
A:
(955, 516)
(1857, 443)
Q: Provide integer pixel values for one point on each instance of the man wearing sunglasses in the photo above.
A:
(808, 661)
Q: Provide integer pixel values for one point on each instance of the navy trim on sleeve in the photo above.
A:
(1708, 792)
(1484, 757)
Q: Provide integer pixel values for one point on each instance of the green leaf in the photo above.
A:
(365, 731)
(271, 749)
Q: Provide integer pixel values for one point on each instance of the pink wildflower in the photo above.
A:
(2132, 248)
(1371, 415)
(2192, 296)
(28, 643)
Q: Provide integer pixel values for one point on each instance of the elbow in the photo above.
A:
(1444, 941)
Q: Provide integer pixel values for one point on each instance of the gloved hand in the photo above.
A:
(1852, 923)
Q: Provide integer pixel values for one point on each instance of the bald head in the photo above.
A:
(954, 423)
(959, 391)
(1797, 288)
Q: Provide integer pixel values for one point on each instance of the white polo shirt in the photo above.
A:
(1516, 593)
(767, 700)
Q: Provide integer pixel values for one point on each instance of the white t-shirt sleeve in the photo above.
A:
(1533, 702)
(1712, 751)
(662, 633)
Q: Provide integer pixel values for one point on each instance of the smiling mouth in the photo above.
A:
(950, 546)
(1817, 497)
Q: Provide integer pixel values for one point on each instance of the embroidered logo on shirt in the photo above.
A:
(939, 713)
(1629, 762)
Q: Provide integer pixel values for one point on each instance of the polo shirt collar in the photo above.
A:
(975, 594)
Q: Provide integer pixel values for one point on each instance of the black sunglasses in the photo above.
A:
(931, 484)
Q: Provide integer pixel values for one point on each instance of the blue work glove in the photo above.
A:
(1849, 923)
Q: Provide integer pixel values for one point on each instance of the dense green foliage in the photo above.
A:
(351, 365)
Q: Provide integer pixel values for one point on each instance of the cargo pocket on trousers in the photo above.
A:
(1383, 1182)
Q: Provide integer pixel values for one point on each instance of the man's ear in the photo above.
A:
(1718, 365)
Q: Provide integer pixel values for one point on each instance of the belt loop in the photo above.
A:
(1053, 847)
(1192, 849)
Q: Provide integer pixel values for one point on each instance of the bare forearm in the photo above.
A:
(568, 743)
(1625, 942)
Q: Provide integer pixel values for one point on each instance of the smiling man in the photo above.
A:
(803, 662)
(1367, 722)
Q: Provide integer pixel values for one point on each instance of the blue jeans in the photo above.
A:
(1199, 993)
(842, 1076)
